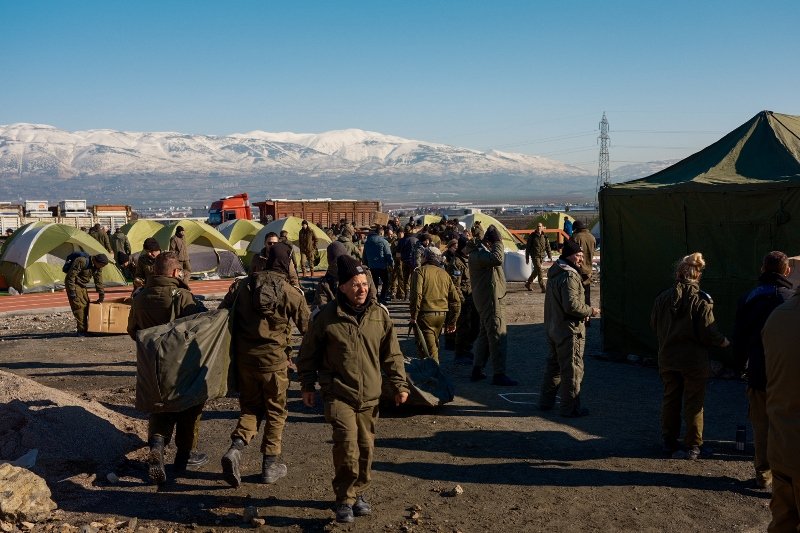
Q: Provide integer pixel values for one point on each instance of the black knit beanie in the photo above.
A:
(570, 248)
(348, 267)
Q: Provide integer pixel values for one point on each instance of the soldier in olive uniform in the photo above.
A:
(164, 298)
(259, 262)
(488, 290)
(178, 245)
(307, 242)
(120, 244)
(683, 320)
(434, 303)
(100, 235)
(146, 262)
(81, 272)
(469, 322)
(586, 241)
(346, 238)
(565, 314)
(351, 340)
(536, 248)
(262, 306)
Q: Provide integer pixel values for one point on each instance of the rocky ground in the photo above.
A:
(518, 469)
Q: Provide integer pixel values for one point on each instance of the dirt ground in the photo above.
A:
(520, 469)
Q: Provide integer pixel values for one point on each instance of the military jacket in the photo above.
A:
(145, 266)
(178, 245)
(586, 241)
(486, 274)
(433, 290)
(81, 273)
(564, 305)
(537, 246)
(155, 304)
(346, 353)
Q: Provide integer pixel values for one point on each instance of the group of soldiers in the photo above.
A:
(83, 269)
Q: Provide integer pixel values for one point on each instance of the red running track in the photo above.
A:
(53, 301)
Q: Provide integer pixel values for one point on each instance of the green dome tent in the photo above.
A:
(140, 230)
(509, 241)
(422, 220)
(209, 250)
(552, 220)
(33, 257)
(240, 233)
(292, 225)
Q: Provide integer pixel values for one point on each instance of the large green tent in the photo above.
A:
(734, 201)
(139, 230)
(292, 225)
(509, 242)
(240, 233)
(33, 257)
(209, 251)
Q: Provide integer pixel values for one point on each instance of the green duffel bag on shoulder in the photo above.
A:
(183, 363)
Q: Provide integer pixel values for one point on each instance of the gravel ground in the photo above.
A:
(520, 469)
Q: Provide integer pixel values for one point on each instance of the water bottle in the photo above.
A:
(741, 437)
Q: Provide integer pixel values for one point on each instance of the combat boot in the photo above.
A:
(155, 460)
(231, 461)
(272, 470)
(361, 507)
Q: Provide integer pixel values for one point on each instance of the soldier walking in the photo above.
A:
(307, 242)
(536, 248)
(262, 306)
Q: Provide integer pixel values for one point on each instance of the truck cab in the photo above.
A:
(230, 208)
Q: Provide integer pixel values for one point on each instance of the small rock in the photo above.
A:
(414, 515)
(455, 491)
(27, 525)
(97, 525)
(6, 527)
(25, 496)
(132, 523)
(250, 512)
(406, 528)
(257, 522)
(86, 528)
(112, 478)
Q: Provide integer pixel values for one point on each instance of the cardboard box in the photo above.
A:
(380, 218)
(111, 316)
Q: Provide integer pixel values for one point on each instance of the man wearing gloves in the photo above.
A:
(350, 341)
(488, 289)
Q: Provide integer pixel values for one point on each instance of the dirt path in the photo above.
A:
(521, 469)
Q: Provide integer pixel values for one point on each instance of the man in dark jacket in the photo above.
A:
(536, 248)
(564, 316)
(146, 262)
(469, 321)
(100, 235)
(164, 298)
(752, 313)
(178, 245)
(120, 244)
(263, 305)
(350, 342)
(259, 261)
(378, 257)
(307, 242)
(81, 272)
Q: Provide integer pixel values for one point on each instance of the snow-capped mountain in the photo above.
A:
(341, 159)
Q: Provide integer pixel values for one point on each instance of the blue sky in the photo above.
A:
(522, 76)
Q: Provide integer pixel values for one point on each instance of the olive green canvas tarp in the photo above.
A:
(734, 201)
(139, 230)
(34, 255)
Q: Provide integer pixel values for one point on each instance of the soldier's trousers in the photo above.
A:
(564, 371)
(491, 343)
(353, 447)
(757, 411)
(687, 389)
(785, 503)
(309, 257)
(80, 308)
(262, 396)
(398, 289)
(537, 272)
(185, 424)
(407, 270)
(467, 327)
(430, 325)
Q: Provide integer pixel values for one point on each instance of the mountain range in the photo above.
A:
(38, 161)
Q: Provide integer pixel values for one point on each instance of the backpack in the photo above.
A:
(266, 293)
(71, 259)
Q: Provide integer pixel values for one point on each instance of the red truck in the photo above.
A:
(230, 208)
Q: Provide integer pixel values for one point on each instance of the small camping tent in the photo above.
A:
(209, 251)
(33, 257)
(139, 230)
(422, 220)
(552, 220)
(734, 201)
(292, 225)
(240, 233)
(509, 241)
